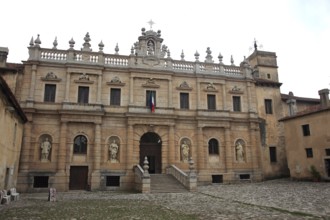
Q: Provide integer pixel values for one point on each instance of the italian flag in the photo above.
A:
(152, 102)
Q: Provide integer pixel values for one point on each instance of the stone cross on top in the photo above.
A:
(151, 23)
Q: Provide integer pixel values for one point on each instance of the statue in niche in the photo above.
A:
(150, 47)
(239, 152)
(45, 149)
(185, 151)
(113, 149)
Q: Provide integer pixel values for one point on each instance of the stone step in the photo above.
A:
(165, 183)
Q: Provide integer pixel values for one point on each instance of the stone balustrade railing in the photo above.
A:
(122, 61)
(187, 180)
(142, 180)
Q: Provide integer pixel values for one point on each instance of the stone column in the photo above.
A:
(229, 157)
(255, 152)
(129, 147)
(171, 145)
(248, 85)
(63, 156)
(99, 89)
(224, 106)
(33, 82)
(26, 146)
(198, 95)
(67, 87)
(170, 94)
(96, 176)
(61, 153)
(200, 152)
(131, 90)
(97, 148)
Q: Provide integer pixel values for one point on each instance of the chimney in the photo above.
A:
(324, 97)
(3, 56)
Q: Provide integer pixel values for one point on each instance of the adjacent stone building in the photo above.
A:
(12, 119)
(93, 116)
(308, 139)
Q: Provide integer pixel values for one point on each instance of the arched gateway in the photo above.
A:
(151, 147)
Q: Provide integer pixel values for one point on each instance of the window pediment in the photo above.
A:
(151, 83)
(184, 86)
(84, 78)
(236, 90)
(115, 81)
(50, 76)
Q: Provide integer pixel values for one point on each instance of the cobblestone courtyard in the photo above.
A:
(277, 199)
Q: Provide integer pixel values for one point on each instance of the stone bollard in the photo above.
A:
(52, 195)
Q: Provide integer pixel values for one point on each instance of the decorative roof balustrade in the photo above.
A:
(148, 53)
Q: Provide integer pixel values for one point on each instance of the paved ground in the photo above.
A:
(276, 199)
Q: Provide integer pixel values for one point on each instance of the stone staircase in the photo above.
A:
(165, 183)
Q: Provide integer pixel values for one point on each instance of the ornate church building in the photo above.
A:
(94, 117)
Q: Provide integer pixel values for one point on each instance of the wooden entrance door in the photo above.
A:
(150, 147)
(78, 177)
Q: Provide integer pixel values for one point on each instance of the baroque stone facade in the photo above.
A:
(94, 116)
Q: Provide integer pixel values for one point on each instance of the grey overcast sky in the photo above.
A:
(297, 30)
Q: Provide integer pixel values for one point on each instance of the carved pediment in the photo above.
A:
(236, 90)
(50, 76)
(151, 83)
(84, 78)
(210, 88)
(115, 81)
(184, 86)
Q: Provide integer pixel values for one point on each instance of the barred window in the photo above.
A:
(213, 146)
(184, 100)
(236, 103)
(83, 94)
(80, 145)
(115, 95)
(211, 103)
(50, 93)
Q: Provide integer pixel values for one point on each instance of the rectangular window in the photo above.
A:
(50, 92)
(268, 106)
(236, 103)
(244, 176)
(211, 104)
(83, 94)
(272, 154)
(40, 182)
(149, 95)
(113, 181)
(309, 152)
(115, 96)
(184, 100)
(306, 131)
(327, 152)
(217, 179)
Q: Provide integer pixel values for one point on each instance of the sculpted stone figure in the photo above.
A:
(185, 151)
(45, 149)
(113, 148)
(239, 152)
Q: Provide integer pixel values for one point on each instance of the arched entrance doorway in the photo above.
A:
(151, 147)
